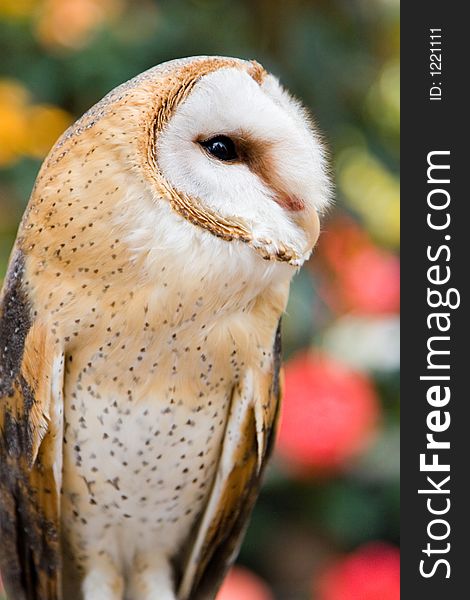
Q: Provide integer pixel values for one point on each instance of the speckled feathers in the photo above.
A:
(139, 384)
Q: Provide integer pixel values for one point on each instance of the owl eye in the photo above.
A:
(221, 147)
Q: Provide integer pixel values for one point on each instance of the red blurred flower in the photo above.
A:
(242, 584)
(329, 414)
(359, 276)
(371, 282)
(370, 573)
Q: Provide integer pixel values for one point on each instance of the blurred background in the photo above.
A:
(326, 525)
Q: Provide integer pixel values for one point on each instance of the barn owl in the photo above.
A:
(139, 333)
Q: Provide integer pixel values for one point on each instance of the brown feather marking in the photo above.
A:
(15, 322)
(257, 72)
(29, 552)
(239, 496)
(259, 158)
(36, 368)
(244, 466)
(188, 207)
(241, 489)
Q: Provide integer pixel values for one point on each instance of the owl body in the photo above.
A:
(139, 377)
(140, 459)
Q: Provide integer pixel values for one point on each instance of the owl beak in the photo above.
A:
(305, 216)
(309, 221)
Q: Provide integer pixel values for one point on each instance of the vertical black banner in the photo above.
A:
(435, 309)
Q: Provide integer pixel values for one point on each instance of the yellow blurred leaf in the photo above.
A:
(383, 99)
(45, 125)
(373, 192)
(18, 9)
(13, 132)
(12, 92)
(70, 23)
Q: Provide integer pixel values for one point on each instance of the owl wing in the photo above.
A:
(31, 376)
(248, 443)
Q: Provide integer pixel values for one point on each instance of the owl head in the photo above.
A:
(241, 148)
(191, 151)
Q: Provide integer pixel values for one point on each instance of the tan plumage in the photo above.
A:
(139, 338)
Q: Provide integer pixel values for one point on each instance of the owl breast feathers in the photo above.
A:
(139, 333)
